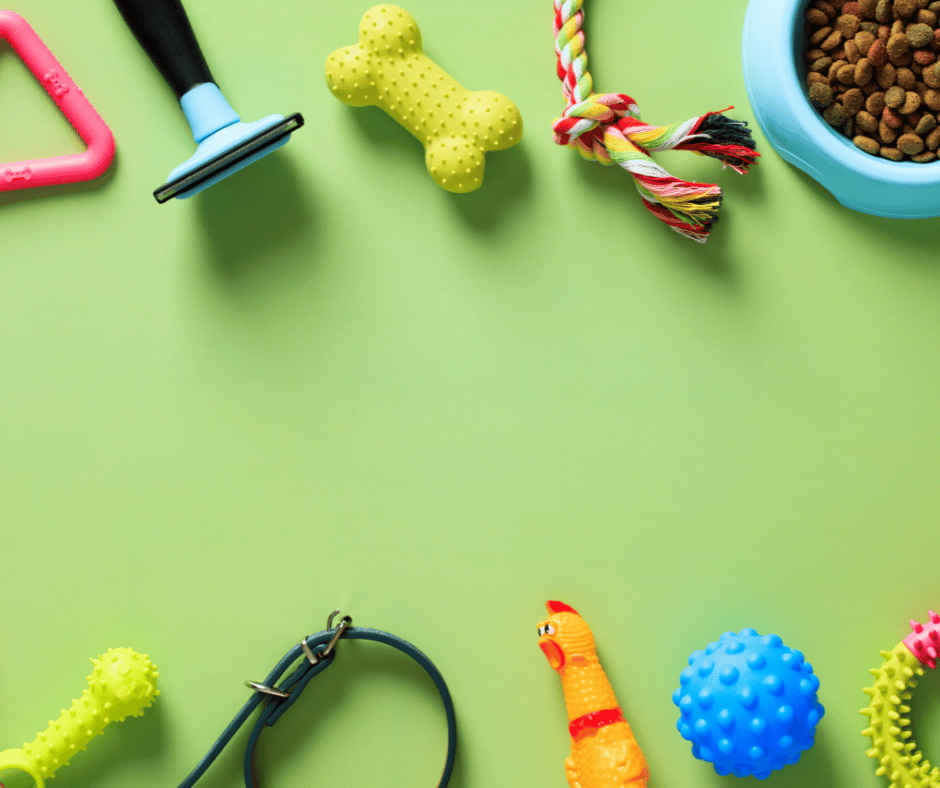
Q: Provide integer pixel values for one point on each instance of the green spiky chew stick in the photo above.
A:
(123, 683)
(889, 728)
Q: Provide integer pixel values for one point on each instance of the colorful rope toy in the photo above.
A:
(604, 752)
(606, 127)
(893, 745)
(122, 684)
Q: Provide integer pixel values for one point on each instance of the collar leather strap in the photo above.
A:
(293, 685)
(594, 720)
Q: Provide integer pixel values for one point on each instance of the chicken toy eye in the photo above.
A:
(546, 629)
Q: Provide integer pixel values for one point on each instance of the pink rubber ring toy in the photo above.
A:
(70, 99)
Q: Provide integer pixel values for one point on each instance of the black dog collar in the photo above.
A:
(318, 653)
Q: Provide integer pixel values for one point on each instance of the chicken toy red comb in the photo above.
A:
(560, 607)
(606, 127)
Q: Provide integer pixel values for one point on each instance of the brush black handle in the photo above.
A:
(163, 30)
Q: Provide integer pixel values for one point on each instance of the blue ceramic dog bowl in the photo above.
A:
(774, 74)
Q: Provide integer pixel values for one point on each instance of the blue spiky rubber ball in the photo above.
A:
(748, 704)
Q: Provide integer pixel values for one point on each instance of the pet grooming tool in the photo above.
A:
(225, 144)
(70, 99)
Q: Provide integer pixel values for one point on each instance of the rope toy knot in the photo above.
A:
(606, 127)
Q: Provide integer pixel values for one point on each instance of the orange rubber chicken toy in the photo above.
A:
(604, 753)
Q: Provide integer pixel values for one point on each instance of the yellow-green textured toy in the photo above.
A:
(893, 746)
(122, 684)
(388, 68)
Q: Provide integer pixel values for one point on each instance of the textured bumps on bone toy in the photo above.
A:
(122, 684)
(893, 745)
(606, 127)
(388, 68)
(604, 753)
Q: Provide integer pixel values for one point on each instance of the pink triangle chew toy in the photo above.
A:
(73, 104)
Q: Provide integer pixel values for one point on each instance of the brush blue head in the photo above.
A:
(225, 144)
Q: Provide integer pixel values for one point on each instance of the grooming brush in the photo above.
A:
(224, 143)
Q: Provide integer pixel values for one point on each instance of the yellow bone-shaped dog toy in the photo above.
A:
(388, 68)
(122, 684)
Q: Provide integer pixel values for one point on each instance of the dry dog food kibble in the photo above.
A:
(872, 71)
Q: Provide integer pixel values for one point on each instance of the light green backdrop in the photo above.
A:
(328, 383)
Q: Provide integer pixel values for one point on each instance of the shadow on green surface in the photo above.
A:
(507, 182)
(711, 257)
(123, 744)
(252, 215)
(508, 174)
(915, 238)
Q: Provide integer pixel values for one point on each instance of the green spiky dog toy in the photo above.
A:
(123, 683)
(893, 746)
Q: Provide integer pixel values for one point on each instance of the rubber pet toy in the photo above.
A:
(122, 684)
(388, 68)
(604, 753)
(893, 746)
(224, 143)
(748, 703)
(73, 104)
(606, 127)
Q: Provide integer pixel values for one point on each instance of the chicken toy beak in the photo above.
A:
(553, 652)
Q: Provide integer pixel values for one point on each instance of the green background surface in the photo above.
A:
(328, 383)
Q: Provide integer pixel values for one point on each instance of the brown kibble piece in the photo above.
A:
(821, 65)
(815, 76)
(894, 97)
(814, 54)
(927, 124)
(919, 35)
(832, 41)
(835, 115)
(906, 79)
(867, 8)
(864, 71)
(866, 122)
(933, 139)
(926, 17)
(816, 17)
(932, 100)
(820, 95)
(886, 75)
(897, 27)
(892, 153)
(875, 103)
(827, 9)
(904, 8)
(898, 46)
(931, 78)
(886, 133)
(853, 101)
(910, 144)
(834, 69)
(820, 35)
(846, 74)
(847, 24)
(883, 11)
(867, 144)
(923, 158)
(851, 51)
(911, 103)
(864, 40)
(935, 7)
